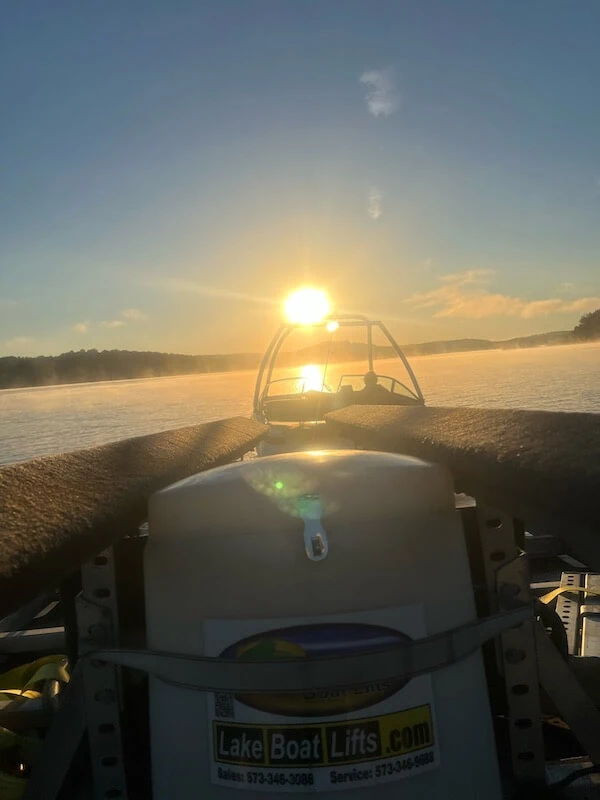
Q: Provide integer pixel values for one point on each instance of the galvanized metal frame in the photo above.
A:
(590, 618)
(97, 623)
(34, 640)
(570, 698)
(507, 579)
(567, 608)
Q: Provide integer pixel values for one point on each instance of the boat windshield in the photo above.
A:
(331, 366)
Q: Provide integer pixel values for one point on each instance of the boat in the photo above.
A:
(316, 364)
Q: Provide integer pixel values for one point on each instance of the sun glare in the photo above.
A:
(312, 378)
(307, 306)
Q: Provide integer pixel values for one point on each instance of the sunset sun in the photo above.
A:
(307, 306)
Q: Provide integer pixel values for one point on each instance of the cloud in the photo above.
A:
(133, 314)
(7, 302)
(465, 295)
(17, 342)
(583, 304)
(468, 277)
(112, 323)
(191, 287)
(375, 200)
(128, 314)
(81, 327)
(381, 97)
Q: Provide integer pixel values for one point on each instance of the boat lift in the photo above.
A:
(547, 742)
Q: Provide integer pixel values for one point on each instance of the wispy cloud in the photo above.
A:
(128, 315)
(81, 327)
(470, 277)
(7, 302)
(18, 341)
(133, 314)
(191, 287)
(374, 203)
(112, 323)
(465, 295)
(381, 97)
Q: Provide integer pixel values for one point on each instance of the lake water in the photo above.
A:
(54, 419)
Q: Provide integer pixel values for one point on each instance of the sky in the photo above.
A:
(170, 170)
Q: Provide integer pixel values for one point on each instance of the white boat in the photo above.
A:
(350, 360)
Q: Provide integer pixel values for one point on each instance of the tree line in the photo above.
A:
(108, 365)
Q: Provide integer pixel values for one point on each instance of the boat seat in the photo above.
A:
(307, 407)
(388, 399)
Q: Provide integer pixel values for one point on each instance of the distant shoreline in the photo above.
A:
(92, 366)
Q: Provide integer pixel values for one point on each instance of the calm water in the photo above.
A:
(40, 421)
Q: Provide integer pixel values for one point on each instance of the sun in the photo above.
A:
(307, 306)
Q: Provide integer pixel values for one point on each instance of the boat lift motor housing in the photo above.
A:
(319, 555)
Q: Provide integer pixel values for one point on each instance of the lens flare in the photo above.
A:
(307, 306)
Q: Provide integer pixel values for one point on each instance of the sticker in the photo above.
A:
(324, 740)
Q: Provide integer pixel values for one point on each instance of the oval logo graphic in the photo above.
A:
(306, 641)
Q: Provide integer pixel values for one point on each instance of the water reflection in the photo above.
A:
(46, 420)
(313, 378)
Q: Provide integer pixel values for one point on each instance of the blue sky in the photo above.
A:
(170, 170)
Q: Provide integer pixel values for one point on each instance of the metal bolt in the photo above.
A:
(318, 547)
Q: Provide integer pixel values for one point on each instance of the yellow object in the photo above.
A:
(23, 681)
(11, 788)
(550, 596)
(21, 684)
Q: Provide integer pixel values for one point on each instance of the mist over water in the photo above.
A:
(45, 420)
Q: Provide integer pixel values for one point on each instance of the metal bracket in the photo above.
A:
(507, 577)
(316, 544)
(567, 608)
(97, 624)
(571, 700)
(590, 618)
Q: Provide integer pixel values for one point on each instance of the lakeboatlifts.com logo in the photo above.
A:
(320, 745)
(324, 740)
